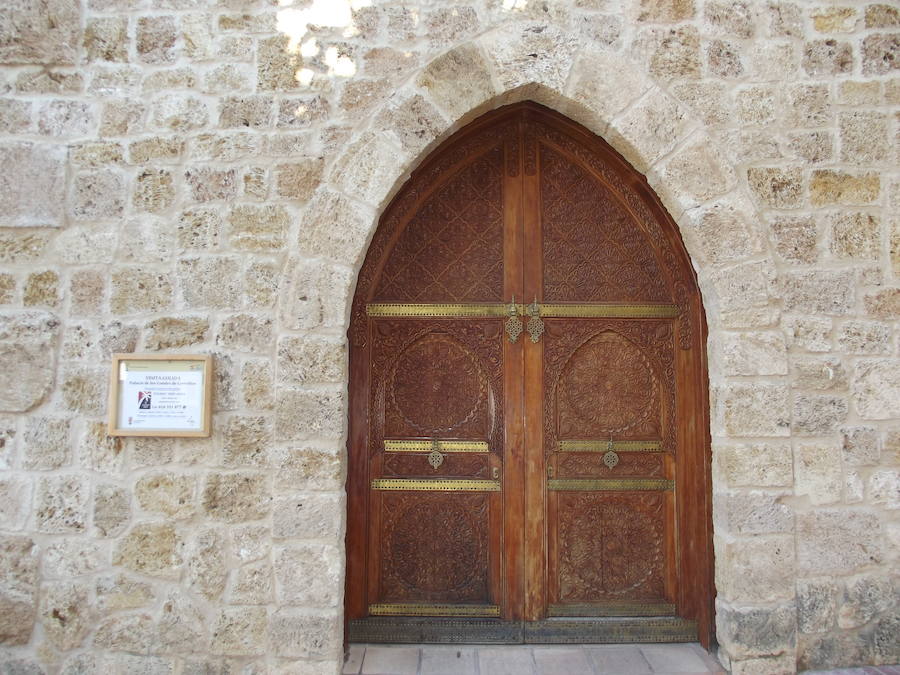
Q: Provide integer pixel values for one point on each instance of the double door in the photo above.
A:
(524, 384)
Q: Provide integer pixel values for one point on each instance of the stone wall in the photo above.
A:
(203, 176)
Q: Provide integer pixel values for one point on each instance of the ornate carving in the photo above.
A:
(632, 465)
(415, 464)
(512, 157)
(610, 547)
(420, 565)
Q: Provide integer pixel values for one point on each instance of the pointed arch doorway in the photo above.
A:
(528, 447)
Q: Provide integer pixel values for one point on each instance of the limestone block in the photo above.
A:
(885, 647)
(821, 373)
(197, 35)
(182, 625)
(30, 169)
(335, 228)
(224, 382)
(413, 121)
(169, 79)
(458, 80)
(198, 229)
(882, 16)
(724, 59)
(316, 358)
(251, 542)
(758, 105)
(7, 289)
(884, 488)
(247, 440)
(756, 631)
(838, 540)
(254, 584)
(754, 353)
(309, 516)
(256, 183)
(90, 243)
(15, 501)
(295, 633)
(106, 39)
(666, 11)
(61, 504)
(155, 39)
(26, 375)
(23, 245)
(817, 601)
(696, 174)
(795, 238)
(884, 304)
(127, 633)
(237, 497)
(41, 289)
(119, 592)
(810, 333)
(449, 25)
(116, 337)
(294, 567)
(73, 557)
(121, 117)
(179, 112)
(259, 228)
(207, 569)
(240, 631)
(84, 389)
(230, 147)
(257, 384)
(156, 149)
(707, 100)
(168, 493)
(735, 19)
(861, 446)
(112, 510)
(813, 146)
(834, 19)
(65, 118)
(672, 52)
(47, 81)
(46, 31)
(819, 473)
(309, 468)
(784, 664)
(210, 282)
(822, 58)
(300, 112)
(360, 95)
(299, 180)
(278, 65)
(46, 442)
(876, 388)
(238, 112)
(66, 613)
(261, 284)
(865, 337)
(753, 512)
(649, 129)
(154, 549)
(834, 650)
(18, 590)
(864, 598)
(864, 137)
(301, 415)
(175, 331)
(756, 410)
(830, 186)
(526, 53)
(755, 570)
(818, 415)
(777, 187)
(879, 53)
(757, 465)
(818, 292)
(211, 184)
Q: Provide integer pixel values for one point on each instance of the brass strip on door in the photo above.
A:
(609, 311)
(442, 446)
(609, 484)
(410, 609)
(437, 484)
(474, 310)
(606, 446)
(636, 608)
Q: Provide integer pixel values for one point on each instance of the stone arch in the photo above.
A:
(614, 98)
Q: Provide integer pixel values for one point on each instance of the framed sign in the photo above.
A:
(160, 395)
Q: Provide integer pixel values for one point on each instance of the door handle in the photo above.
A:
(513, 323)
(535, 323)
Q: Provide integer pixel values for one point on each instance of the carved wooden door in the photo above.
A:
(527, 415)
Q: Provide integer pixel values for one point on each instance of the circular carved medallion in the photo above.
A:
(611, 549)
(434, 547)
(437, 385)
(609, 383)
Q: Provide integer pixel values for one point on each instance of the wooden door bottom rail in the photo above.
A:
(601, 630)
(609, 484)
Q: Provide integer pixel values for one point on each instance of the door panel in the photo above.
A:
(528, 415)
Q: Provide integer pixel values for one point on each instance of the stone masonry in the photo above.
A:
(203, 176)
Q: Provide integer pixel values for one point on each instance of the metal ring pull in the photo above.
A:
(535, 323)
(513, 323)
(610, 458)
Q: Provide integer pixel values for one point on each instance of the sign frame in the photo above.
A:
(201, 399)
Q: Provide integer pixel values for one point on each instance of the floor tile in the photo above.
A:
(353, 660)
(391, 661)
(505, 661)
(561, 660)
(678, 658)
(447, 661)
(618, 659)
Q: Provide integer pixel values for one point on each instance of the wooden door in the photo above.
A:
(528, 446)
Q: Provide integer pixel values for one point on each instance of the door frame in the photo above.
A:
(693, 519)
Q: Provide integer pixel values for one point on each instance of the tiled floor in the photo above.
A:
(654, 659)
